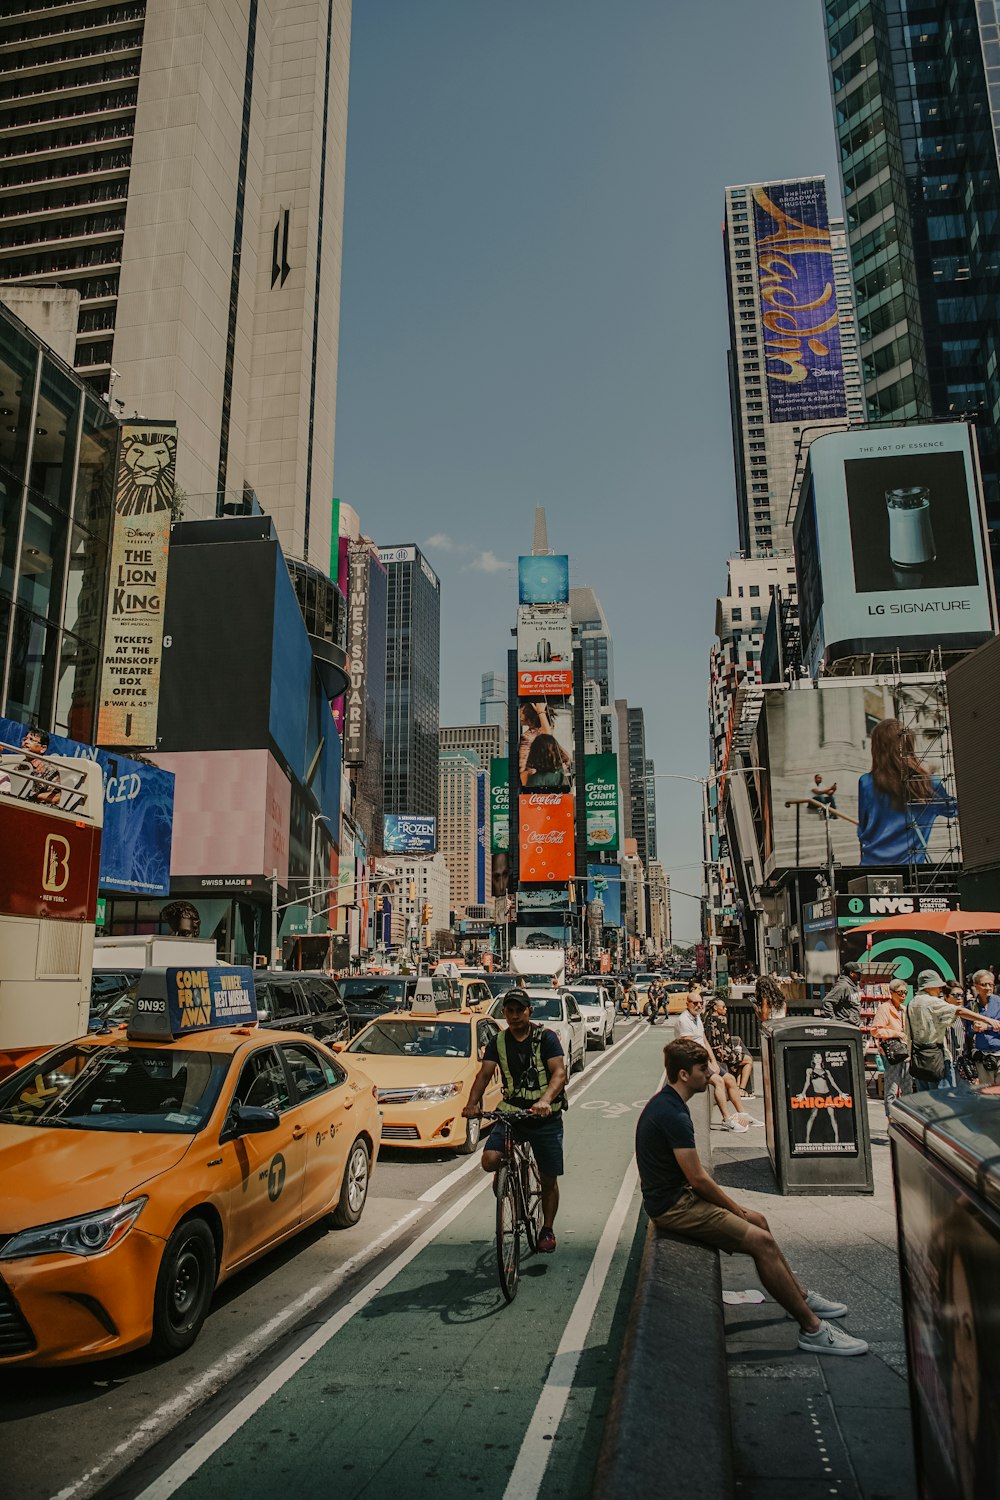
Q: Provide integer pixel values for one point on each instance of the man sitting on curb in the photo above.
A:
(680, 1196)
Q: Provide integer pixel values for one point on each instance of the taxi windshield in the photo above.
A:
(142, 1089)
(414, 1039)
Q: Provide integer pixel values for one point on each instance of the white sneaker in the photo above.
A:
(736, 1124)
(830, 1340)
(823, 1308)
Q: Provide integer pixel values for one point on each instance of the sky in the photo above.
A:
(533, 312)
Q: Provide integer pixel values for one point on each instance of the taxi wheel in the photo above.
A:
(354, 1188)
(473, 1131)
(184, 1287)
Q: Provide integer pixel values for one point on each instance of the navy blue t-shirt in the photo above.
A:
(519, 1057)
(665, 1126)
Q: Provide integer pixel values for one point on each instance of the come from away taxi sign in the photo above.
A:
(174, 1002)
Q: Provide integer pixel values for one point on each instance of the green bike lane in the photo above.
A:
(427, 1382)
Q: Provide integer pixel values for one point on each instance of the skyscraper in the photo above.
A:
(460, 831)
(412, 682)
(632, 778)
(493, 702)
(786, 386)
(181, 167)
(487, 740)
(591, 629)
(916, 92)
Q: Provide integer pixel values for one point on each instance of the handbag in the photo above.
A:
(927, 1059)
(895, 1049)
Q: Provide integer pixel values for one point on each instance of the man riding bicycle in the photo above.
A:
(533, 1074)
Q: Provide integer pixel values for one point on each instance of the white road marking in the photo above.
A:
(529, 1470)
(200, 1452)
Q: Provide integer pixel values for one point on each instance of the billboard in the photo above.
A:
(499, 804)
(798, 302)
(821, 1112)
(601, 803)
(232, 814)
(604, 884)
(858, 773)
(546, 837)
(542, 898)
(889, 543)
(544, 650)
(545, 746)
(543, 580)
(355, 724)
(406, 834)
(138, 809)
(908, 952)
(133, 626)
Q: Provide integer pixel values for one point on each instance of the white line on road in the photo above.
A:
(200, 1452)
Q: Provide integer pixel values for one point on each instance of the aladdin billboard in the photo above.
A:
(890, 543)
(544, 651)
(546, 838)
(798, 302)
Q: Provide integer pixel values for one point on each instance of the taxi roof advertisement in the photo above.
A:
(544, 650)
(138, 810)
(889, 541)
(174, 1002)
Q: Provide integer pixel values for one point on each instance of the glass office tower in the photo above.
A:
(412, 683)
(913, 85)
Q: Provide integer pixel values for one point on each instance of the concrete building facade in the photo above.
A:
(412, 683)
(461, 826)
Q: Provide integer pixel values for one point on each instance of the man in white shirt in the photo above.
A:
(723, 1085)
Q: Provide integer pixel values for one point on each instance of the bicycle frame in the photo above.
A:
(518, 1194)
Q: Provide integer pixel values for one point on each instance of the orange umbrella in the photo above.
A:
(953, 923)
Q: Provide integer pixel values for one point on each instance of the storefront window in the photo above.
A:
(18, 361)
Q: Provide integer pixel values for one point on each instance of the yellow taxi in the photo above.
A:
(422, 1063)
(141, 1167)
(475, 993)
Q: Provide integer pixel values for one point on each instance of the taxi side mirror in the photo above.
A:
(338, 1047)
(249, 1119)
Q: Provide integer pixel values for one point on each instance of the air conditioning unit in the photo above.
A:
(876, 885)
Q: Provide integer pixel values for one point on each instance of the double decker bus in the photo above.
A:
(51, 815)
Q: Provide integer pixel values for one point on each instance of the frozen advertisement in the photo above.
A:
(819, 1101)
(407, 834)
(543, 580)
(544, 651)
(857, 775)
(546, 837)
(798, 302)
(138, 804)
(545, 744)
(889, 542)
(949, 1246)
(601, 802)
(133, 627)
(604, 885)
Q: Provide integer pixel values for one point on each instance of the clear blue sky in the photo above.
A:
(533, 313)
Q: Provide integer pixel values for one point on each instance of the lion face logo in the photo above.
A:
(145, 472)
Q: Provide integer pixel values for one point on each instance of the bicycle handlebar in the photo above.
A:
(509, 1114)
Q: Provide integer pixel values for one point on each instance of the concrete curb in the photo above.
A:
(669, 1412)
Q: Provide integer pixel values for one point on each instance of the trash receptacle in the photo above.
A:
(815, 1106)
(946, 1168)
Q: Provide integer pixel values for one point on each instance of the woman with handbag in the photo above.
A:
(889, 1030)
(929, 1018)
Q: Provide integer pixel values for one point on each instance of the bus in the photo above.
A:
(51, 816)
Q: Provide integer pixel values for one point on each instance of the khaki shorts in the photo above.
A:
(694, 1219)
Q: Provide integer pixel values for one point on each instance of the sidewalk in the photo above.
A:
(806, 1426)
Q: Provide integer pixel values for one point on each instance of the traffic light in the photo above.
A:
(379, 902)
(426, 912)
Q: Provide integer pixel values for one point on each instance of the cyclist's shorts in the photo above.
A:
(546, 1142)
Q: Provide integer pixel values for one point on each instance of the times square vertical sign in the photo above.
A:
(798, 302)
(133, 625)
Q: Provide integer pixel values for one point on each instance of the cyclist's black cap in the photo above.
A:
(520, 998)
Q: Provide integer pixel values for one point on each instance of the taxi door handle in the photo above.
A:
(348, 1103)
(298, 1132)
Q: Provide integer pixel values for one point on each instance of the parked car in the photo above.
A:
(558, 1011)
(107, 986)
(369, 995)
(289, 1000)
(499, 981)
(598, 1011)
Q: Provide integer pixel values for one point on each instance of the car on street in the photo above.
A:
(475, 992)
(369, 995)
(677, 992)
(289, 1000)
(558, 1011)
(423, 1064)
(598, 1011)
(500, 981)
(143, 1167)
(108, 986)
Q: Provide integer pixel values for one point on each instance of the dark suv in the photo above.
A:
(369, 995)
(311, 1002)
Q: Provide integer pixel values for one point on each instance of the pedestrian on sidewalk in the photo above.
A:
(724, 1086)
(769, 1001)
(986, 1046)
(929, 1018)
(843, 1003)
(681, 1197)
(889, 1030)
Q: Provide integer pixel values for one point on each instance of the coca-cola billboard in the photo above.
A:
(546, 837)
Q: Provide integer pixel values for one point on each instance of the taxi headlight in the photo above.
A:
(437, 1093)
(88, 1235)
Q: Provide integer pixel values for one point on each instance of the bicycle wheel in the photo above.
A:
(508, 1233)
(531, 1201)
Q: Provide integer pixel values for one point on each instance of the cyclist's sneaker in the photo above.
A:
(546, 1242)
(829, 1339)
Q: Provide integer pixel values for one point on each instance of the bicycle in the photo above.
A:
(519, 1201)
